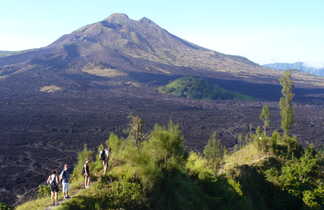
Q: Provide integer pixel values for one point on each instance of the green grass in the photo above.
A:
(196, 88)
(42, 203)
(247, 155)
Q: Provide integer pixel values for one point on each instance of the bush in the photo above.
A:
(198, 167)
(4, 206)
(165, 146)
(214, 152)
(116, 195)
(314, 199)
(43, 191)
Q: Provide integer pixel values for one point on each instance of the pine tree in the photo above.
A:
(136, 128)
(286, 108)
(214, 151)
(265, 117)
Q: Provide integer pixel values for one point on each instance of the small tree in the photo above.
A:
(265, 117)
(286, 108)
(136, 128)
(166, 145)
(214, 151)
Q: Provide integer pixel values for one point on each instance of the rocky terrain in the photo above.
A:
(84, 85)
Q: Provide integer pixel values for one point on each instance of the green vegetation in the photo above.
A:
(4, 206)
(196, 88)
(41, 203)
(268, 172)
(136, 128)
(157, 173)
(265, 117)
(214, 151)
(286, 108)
(43, 191)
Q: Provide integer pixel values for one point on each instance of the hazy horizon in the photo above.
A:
(264, 32)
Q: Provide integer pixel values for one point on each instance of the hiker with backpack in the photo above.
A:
(86, 174)
(104, 157)
(64, 178)
(53, 181)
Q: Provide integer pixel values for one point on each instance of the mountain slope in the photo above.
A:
(127, 45)
(145, 39)
(300, 66)
(158, 173)
(7, 53)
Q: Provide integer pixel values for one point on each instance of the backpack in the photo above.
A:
(83, 171)
(102, 155)
(53, 182)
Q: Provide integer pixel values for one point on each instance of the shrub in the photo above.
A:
(299, 175)
(117, 195)
(43, 191)
(214, 152)
(4, 206)
(314, 199)
(165, 146)
(197, 166)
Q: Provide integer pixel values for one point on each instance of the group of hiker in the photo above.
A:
(54, 179)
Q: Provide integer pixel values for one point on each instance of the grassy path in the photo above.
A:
(46, 203)
(75, 190)
(62, 200)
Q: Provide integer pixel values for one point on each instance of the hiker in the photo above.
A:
(52, 180)
(86, 174)
(64, 178)
(104, 157)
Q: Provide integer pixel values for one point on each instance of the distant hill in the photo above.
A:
(300, 66)
(7, 53)
(196, 88)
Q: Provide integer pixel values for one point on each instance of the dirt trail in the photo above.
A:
(60, 201)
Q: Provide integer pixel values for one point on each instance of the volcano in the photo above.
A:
(84, 86)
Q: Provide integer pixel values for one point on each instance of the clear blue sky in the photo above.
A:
(262, 30)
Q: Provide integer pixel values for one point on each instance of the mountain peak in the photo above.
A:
(117, 18)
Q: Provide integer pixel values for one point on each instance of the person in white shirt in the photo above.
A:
(53, 181)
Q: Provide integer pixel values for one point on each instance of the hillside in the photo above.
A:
(196, 88)
(266, 176)
(7, 53)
